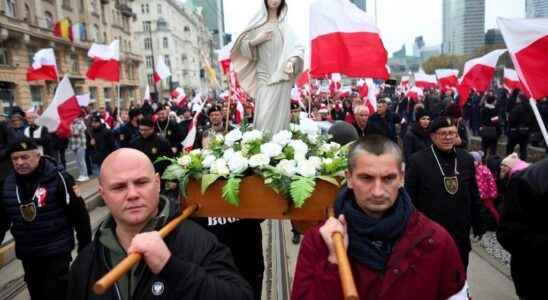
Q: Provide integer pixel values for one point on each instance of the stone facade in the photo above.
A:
(27, 26)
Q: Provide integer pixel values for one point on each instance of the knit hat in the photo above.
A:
(134, 113)
(420, 113)
(146, 122)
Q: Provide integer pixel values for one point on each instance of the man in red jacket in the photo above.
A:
(395, 251)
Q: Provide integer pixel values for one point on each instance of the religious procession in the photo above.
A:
(305, 168)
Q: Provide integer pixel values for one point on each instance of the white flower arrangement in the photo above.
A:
(290, 162)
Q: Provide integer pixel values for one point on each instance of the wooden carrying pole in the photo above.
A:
(109, 279)
(345, 272)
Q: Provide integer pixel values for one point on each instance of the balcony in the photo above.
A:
(126, 10)
(105, 2)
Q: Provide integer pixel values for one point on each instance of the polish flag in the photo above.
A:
(161, 71)
(372, 93)
(303, 79)
(188, 142)
(43, 66)
(414, 93)
(335, 83)
(346, 91)
(404, 81)
(223, 56)
(105, 62)
(425, 81)
(178, 96)
(239, 115)
(62, 110)
(363, 89)
(527, 41)
(447, 78)
(344, 40)
(478, 73)
(511, 80)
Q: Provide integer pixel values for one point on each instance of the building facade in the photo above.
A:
(177, 33)
(27, 26)
(536, 8)
(463, 26)
(493, 37)
(362, 4)
(213, 12)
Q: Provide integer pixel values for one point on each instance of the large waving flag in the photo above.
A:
(106, 62)
(447, 78)
(161, 71)
(344, 40)
(511, 81)
(190, 138)
(527, 42)
(44, 66)
(478, 73)
(62, 110)
(178, 96)
(223, 57)
(425, 81)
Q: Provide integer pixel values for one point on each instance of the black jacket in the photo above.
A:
(523, 229)
(415, 140)
(456, 213)
(199, 268)
(171, 131)
(104, 143)
(154, 147)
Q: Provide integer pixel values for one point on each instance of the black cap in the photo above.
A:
(96, 118)
(295, 105)
(214, 108)
(17, 111)
(134, 113)
(343, 133)
(22, 144)
(441, 122)
(146, 122)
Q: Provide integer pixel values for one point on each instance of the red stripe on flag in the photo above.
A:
(68, 111)
(104, 69)
(479, 77)
(43, 73)
(357, 54)
(156, 77)
(533, 65)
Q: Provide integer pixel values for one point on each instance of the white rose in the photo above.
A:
(306, 168)
(259, 161)
(252, 135)
(184, 160)
(271, 149)
(300, 149)
(313, 138)
(227, 155)
(196, 152)
(208, 161)
(316, 162)
(327, 161)
(287, 167)
(282, 138)
(334, 146)
(237, 163)
(232, 137)
(309, 127)
(219, 167)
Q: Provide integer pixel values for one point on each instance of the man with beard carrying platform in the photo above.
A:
(41, 205)
(441, 182)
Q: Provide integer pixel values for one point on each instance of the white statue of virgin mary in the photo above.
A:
(267, 58)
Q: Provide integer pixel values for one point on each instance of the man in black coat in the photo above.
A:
(152, 145)
(101, 143)
(129, 131)
(418, 137)
(385, 119)
(441, 182)
(362, 124)
(41, 205)
(521, 122)
(189, 264)
(168, 129)
(523, 229)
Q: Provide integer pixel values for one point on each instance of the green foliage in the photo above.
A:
(301, 189)
(173, 172)
(207, 180)
(444, 61)
(252, 148)
(231, 189)
(329, 179)
(183, 182)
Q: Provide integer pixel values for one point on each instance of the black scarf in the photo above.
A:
(371, 240)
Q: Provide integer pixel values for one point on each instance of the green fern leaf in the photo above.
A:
(207, 180)
(231, 189)
(301, 189)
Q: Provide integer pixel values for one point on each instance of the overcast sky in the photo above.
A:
(400, 21)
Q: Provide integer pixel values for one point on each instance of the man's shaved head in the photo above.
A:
(122, 159)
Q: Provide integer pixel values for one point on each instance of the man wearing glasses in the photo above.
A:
(441, 182)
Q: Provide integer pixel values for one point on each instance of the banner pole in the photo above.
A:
(541, 124)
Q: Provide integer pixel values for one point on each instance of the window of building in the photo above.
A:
(97, 33)
(146, 9)
(4, 56)
(107, 91)
(187, 28)
(36, 95)
(75, 64)
(150, 79)
(49, 20)
(159, 8)
(142, 8)
(146, 26)
(105, 37)
(67, 4)
(165, 42)
(10, 8)
(94, 5)
(167, 61)
(81, 6)
(92, 94)
(148, 43)
(148, 61)
(27, 17)
(30, 53)
(183, 57)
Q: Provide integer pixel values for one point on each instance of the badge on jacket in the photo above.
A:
(41, 195)
(154, 150)
(157, 288)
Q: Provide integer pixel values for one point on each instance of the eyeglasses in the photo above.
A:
(446, 134)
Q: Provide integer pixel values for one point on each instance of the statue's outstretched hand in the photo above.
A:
(261, 38)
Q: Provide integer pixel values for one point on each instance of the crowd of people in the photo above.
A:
(413, 191)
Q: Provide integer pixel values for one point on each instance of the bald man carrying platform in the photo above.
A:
(189, 264)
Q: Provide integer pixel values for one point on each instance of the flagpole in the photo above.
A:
(229, 103)
(533, 104)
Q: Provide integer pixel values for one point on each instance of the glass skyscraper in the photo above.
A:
(536, 8)
(360, 3)
(463, 26)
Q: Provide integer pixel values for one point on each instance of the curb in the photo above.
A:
(482, 253)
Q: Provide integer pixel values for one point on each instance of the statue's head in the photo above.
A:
(278, 4)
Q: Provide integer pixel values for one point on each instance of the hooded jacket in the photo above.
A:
(199, 268)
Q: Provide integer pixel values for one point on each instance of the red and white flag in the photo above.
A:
(105, 62)
(178, 96)
(223, 56)
(363, 89)
(44, 66)
(344, 40)
(335, 83)
(511, 80)
(303, 79)
(62, 110)
(425, 81)
(161, 72)
(447, 78)
(404, 82)
(239, 114)
(372, 94)
(415, 93)
(190, 138)
(478, 74)
(527, 42)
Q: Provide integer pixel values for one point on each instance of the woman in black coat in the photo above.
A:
(490, 126)
(418, 137)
